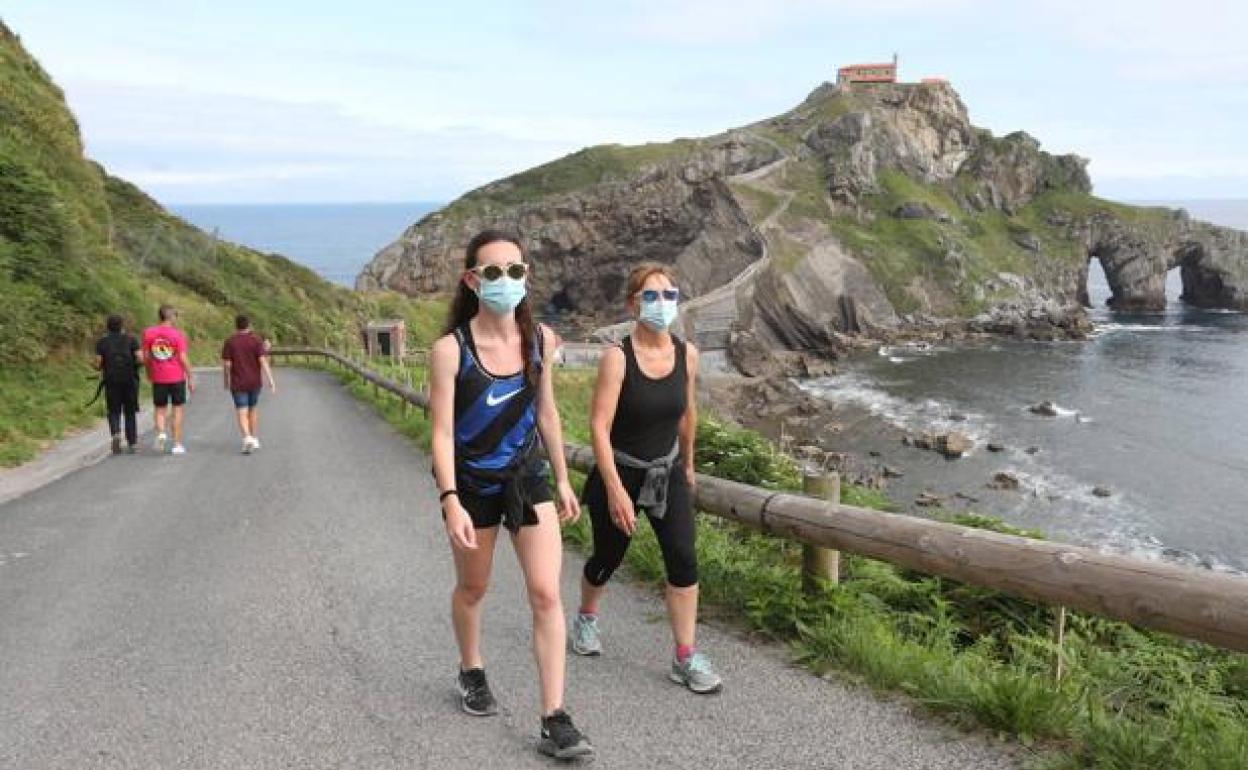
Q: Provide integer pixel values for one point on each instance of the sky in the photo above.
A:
(235, 101)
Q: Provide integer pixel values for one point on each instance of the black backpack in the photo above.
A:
(120, 365)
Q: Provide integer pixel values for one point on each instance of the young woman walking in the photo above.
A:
(491, 397)
(643, 420)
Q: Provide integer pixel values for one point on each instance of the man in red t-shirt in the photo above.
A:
(244, 359)
(169, 369)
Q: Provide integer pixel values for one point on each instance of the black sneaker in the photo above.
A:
(475, 695)
(561, 739)
(116, 445)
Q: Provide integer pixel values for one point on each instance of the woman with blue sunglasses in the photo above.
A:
(643, 420)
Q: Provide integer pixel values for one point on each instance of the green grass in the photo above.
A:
(821, 107)
(40, 403)
(898, 189)
(973, 247)
(1082, 205)
(810, 188)
(577, 171)
(1129, 699)
(789, 142)
(757, 202)
(786, 253)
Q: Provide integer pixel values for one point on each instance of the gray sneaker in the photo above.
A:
(584, 636)
(697, 674)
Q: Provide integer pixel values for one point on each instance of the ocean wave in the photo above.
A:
(1050, 497)
(855, 390)
(1062, 411)
(910, 349)
(1111, 328)
(1107, 524)
(1133, 542)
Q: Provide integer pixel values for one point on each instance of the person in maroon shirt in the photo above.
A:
(245, 360)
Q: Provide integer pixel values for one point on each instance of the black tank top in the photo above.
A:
(648, 413)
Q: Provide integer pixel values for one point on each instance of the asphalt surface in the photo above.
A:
(289, 609)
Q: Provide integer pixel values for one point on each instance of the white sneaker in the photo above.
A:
(161, 440)
(246, 445)
(178, 449)
(255, 443)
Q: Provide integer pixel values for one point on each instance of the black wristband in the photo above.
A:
(447, 494)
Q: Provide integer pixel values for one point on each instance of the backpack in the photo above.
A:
(120, 366)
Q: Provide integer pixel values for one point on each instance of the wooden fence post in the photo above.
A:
(821, 565)
(1059, 640)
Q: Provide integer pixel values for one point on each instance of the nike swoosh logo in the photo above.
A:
(491, 401)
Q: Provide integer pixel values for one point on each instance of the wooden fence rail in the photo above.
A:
(1197, 604)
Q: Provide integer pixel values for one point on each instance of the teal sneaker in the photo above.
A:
(697, 674)
(584, 635)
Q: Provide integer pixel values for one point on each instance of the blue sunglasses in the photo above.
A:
(652, 295)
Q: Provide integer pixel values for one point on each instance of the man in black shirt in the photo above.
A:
(117, 359)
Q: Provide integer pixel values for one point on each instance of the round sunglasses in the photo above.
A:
(514, 270)
(652, 295)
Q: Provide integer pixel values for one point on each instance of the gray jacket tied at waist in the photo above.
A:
(653, 496)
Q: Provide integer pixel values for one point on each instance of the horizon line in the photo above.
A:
(1181, 199)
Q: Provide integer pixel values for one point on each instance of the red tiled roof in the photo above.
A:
(866, 66)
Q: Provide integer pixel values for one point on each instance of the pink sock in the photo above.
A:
(588, 613)
(684, 652)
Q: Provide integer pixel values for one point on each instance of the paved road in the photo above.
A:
(289, 610)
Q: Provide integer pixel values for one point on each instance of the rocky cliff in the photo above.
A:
(878, 210)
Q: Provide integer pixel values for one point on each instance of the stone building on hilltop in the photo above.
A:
(885, 72)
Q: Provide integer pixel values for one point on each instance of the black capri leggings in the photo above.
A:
(675, 531)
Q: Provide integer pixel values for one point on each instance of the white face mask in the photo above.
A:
(502, 294)
(659, 314)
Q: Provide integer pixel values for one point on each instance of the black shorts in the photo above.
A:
(162, 394)
(487, 510)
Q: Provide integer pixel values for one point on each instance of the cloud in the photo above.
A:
(735, 21)
(1159, 41)
(153, 177)
(329, 106)
(186, 146)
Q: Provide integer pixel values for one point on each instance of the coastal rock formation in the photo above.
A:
(1136, 258)
(871, 211)
(674, 207)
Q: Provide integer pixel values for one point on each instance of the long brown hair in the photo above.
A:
(465, 304)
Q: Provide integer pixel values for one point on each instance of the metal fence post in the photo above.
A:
(821, 565)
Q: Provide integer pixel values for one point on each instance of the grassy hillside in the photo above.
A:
(582, 169)
(77, 244)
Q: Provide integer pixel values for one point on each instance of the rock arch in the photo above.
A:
(1213, 263)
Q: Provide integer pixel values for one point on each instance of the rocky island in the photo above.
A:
(871, 211)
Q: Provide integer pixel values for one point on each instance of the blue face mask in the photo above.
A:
(502, 295)
(659, 314)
